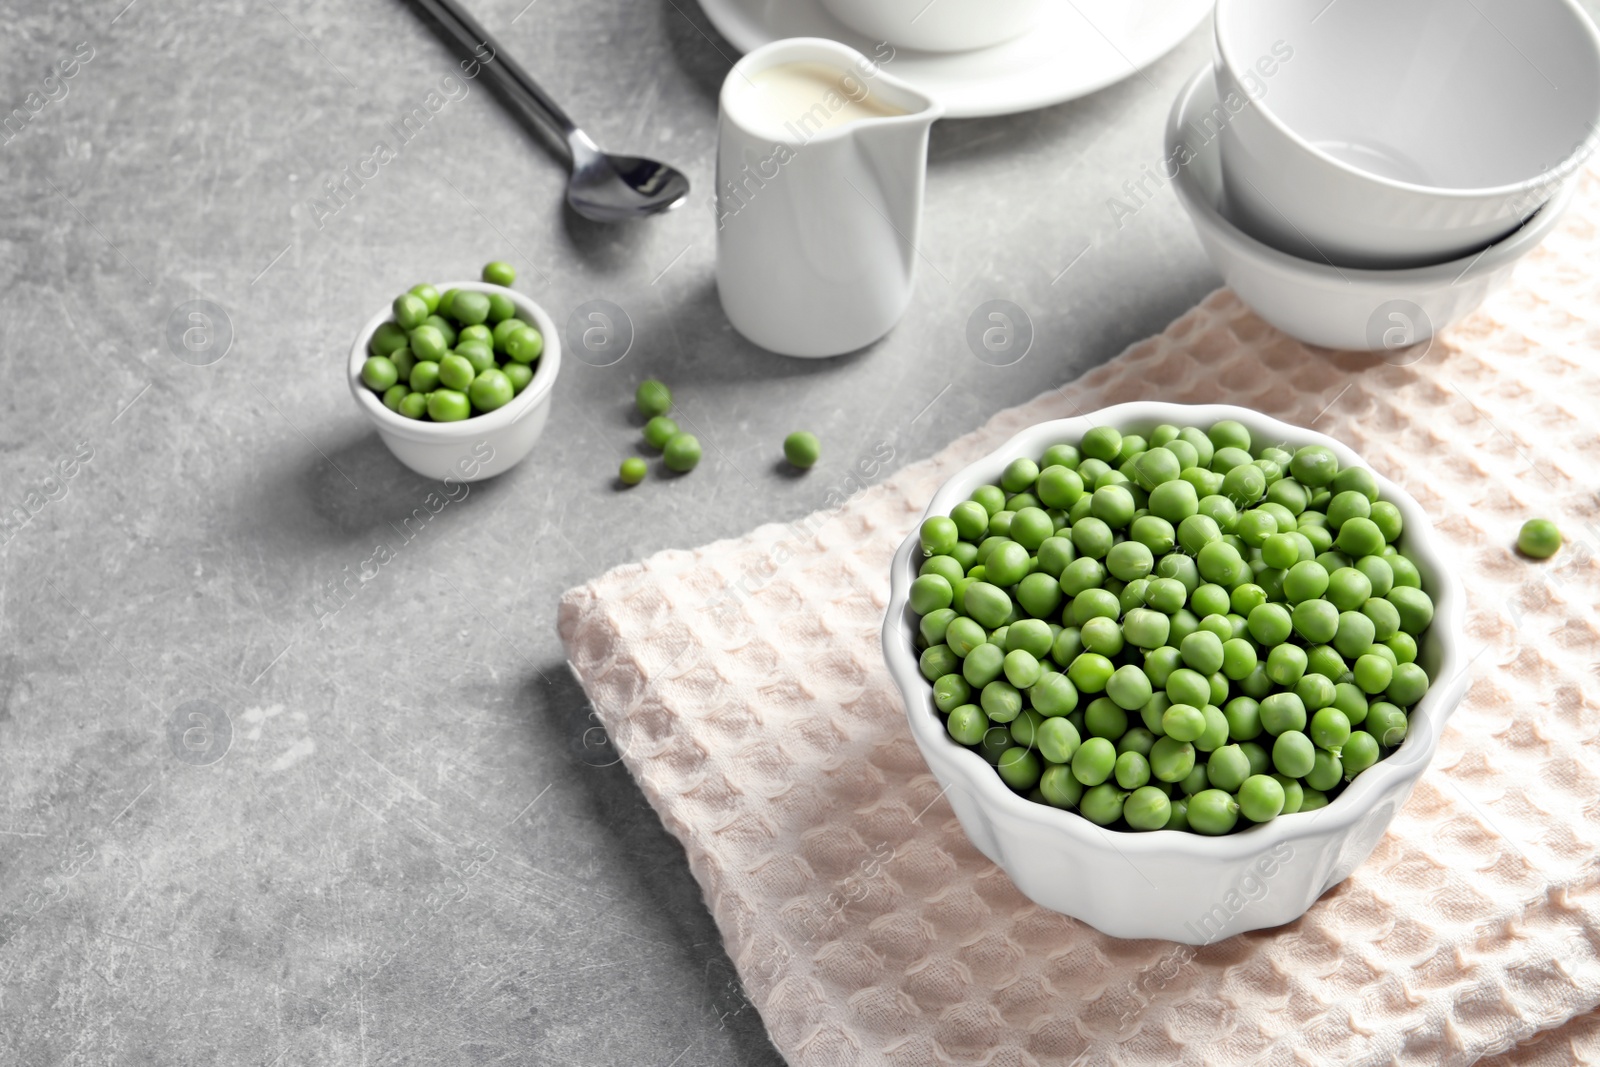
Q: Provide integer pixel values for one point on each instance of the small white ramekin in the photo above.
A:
(484, 445)
(1169, 884)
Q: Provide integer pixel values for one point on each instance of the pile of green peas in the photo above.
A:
(1176, 631)
(452, 355)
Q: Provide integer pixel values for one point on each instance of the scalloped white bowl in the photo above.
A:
(1170, 884)
(484, 445)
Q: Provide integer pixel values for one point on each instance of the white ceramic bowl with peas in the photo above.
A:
(1170, 883)
(485, 443)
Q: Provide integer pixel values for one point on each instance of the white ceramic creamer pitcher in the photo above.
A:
(820, 166)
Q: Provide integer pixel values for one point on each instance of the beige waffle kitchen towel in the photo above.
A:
(742, 685)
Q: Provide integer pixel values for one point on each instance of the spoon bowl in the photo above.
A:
(608, 188)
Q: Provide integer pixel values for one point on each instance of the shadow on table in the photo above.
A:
(642, 846)
(352, 493)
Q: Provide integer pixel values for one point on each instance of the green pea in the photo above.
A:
(1132, 771)
(1227, 768)
(456, 372)
(1030, 526)
(801, 449)
(1154, 533)
(502, 332)
(1315, 620)
(1407, 685)
(524, 345)
(682, 452)
(442, 324)
(1539, 539)
(1330, 728)
(386, 339)
(1022, 668)
(1090, 672)
(481, 334)
(1144, 628)
(1101, 635)
(1094, 761)
(659, 430)
(1019, 768)
(1373, 674)
(428, 342)
(988, 604)
(1261, 798)
(1095, 603)
(393, 395)
(1129, 687)
(378, 373)
(1293, 794)
(480, 355)
(1244, 718)
(1171, 760)
(414, 406)
(499, 272)
(1006, 565)
(403, 361)
(930, 592)
(967, 724)
(990, 497)
(1293, 754)
(1355, 635)
(1213, 812)
(632, 472)
(1286, 664)
(411, 311)
(1174, 501)
(491, 390)
(1059, 487)
(1019, 474)
(1415, 608)
(1039, 595)
(1404, 647)
(470, 308)
(448, 405)
(971, 520)
(1053, 695)
(1092, 537)
(1359, 753)
(1359, 537)
(945, 567)
(652, 398)
(1147, 808)
(1196, 532)
(1385, 618)
(1326, 770)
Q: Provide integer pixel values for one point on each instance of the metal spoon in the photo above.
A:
(604, 188)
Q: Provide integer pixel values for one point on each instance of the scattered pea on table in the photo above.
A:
(682, 453)
(1539, 539)
(632, 471)
(802, 449)
(652, 398)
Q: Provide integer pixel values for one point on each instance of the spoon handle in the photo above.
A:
(467, 33)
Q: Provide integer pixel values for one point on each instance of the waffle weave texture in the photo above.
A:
(743, 686)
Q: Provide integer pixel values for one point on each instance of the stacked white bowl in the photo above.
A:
(1364, 172)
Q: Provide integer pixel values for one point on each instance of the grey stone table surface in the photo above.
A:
(242, 822)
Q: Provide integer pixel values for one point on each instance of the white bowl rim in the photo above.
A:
(1446, 275)
(1549, 176)
(521, 405)
(1413, 755)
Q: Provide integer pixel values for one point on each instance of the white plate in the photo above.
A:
(1082, 45)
